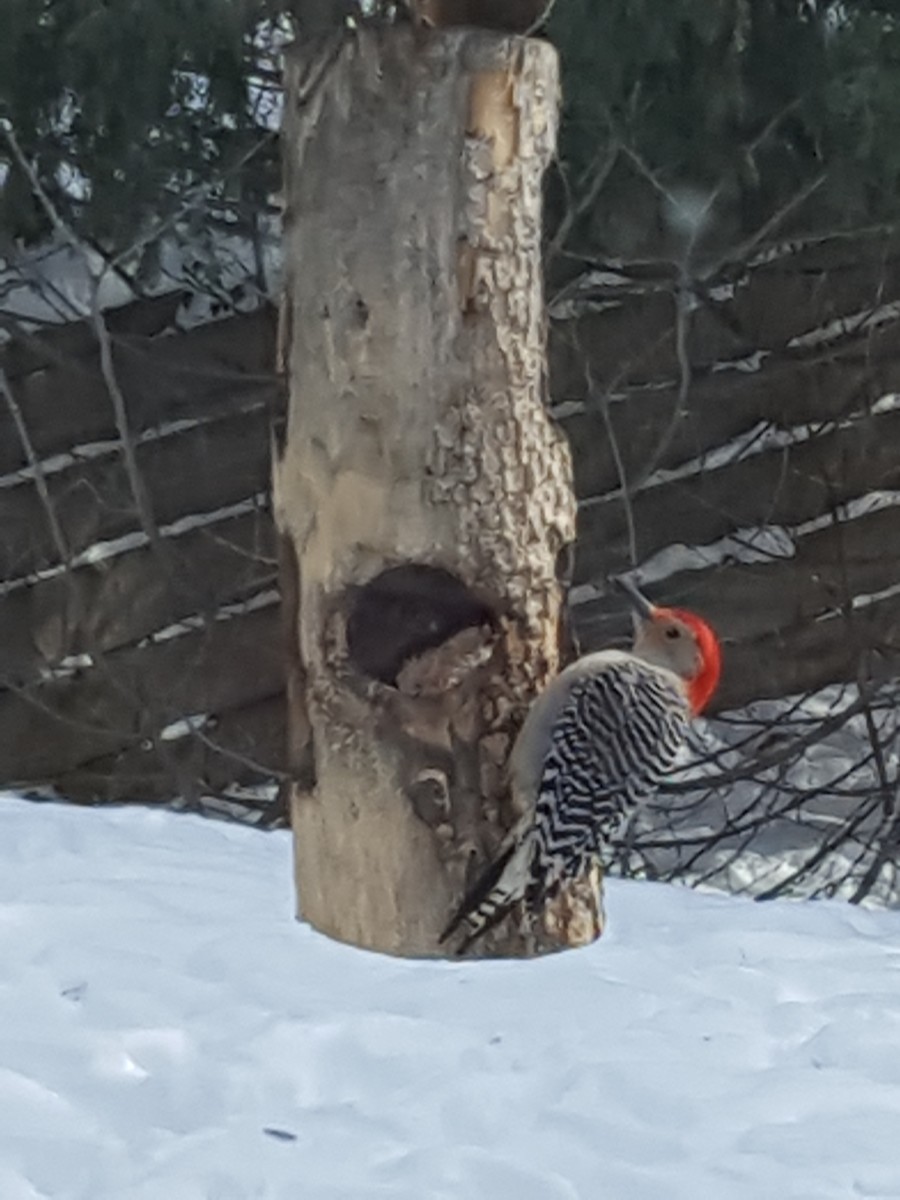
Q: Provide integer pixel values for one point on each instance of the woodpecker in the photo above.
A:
(595, 744)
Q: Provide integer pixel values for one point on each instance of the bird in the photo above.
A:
(595, 745)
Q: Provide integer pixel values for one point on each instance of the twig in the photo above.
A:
(40, 479)
(599, 171)
(602, 401)
(826, 847)
(193, 199)
(743, 251)
(26, 694)
(65, 232)
(146, 518)
(777, 757)
(685, 303)
(541, 18)
(243, 760)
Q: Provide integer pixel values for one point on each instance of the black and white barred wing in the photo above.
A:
(619, 733)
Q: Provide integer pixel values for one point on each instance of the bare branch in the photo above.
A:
(597, 174)
(601, 399)
(37, 470)
(67, 234)
(742, 252)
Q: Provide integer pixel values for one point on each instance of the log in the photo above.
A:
(626, 328)
(423, 495)
(846, 648)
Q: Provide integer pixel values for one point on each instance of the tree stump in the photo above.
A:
(423, 497)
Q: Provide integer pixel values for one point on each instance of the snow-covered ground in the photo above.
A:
(168, 1032)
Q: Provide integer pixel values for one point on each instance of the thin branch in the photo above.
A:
(685, 378)
(779, 756)
(27, 695)
(193, 198)
(539, 20)
(40, 479)
(244, 760)
(601, 399)
(742, 252)
(67, 234)
(139, 491)
(598, 172)
(826, 847)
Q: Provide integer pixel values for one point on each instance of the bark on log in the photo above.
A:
(423, 495)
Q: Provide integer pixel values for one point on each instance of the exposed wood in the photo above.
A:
(102, 610)
(422, 486)
(784, 300)
(590, 340)
(630, 334)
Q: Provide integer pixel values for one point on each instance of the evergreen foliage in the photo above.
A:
(740, 116)
(128, 109)
(728, 118)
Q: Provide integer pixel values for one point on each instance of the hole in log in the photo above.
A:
(404, 612)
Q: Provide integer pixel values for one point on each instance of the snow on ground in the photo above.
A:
(168, 1032)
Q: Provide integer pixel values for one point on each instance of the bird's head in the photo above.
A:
(677, 639)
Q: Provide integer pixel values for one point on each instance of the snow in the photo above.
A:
(766, 787)
(167, 1030)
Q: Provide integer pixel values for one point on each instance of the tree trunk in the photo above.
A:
(423, 497)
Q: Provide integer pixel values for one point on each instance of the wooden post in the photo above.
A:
(422, 494)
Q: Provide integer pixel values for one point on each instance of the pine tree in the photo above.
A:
(138, 116)
(778, 112)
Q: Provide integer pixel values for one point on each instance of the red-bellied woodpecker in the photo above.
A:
(595, 744)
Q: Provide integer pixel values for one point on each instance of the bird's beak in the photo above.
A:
(641, 606)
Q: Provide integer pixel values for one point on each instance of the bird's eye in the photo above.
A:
(673, 632)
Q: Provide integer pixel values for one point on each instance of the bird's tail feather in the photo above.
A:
(498, 889)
